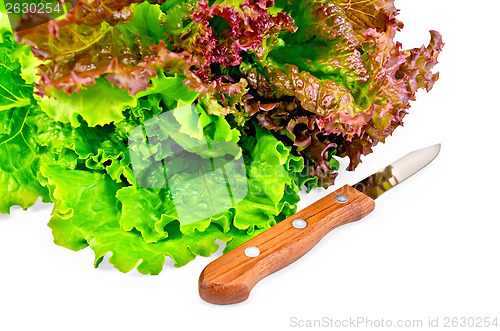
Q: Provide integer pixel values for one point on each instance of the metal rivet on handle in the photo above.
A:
(341, 198)
(299, 223)
(252, 251)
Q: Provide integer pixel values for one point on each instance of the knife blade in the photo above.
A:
(230, 278)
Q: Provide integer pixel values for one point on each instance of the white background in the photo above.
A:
(430, 248)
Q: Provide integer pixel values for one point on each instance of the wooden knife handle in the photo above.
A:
(230, 278)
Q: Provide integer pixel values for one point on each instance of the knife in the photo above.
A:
(230, 278)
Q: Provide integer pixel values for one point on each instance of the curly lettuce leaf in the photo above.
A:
(76, 224)
(340, 84)
(20, 163)
(139, 226)
(92, 134)
(15, 92)
(88, 104)
(127, 54)
(397, 76)
(18, 152)
(95, 12)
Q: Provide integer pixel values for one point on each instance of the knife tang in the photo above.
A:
(230, 278)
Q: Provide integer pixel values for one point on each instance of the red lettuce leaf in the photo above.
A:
(128, 54)
(350, 82)
(397, 76)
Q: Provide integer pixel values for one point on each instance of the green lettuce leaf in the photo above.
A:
(140, 225)
(89, 105)
(76, 224)
(20, 164)
(18, 152)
